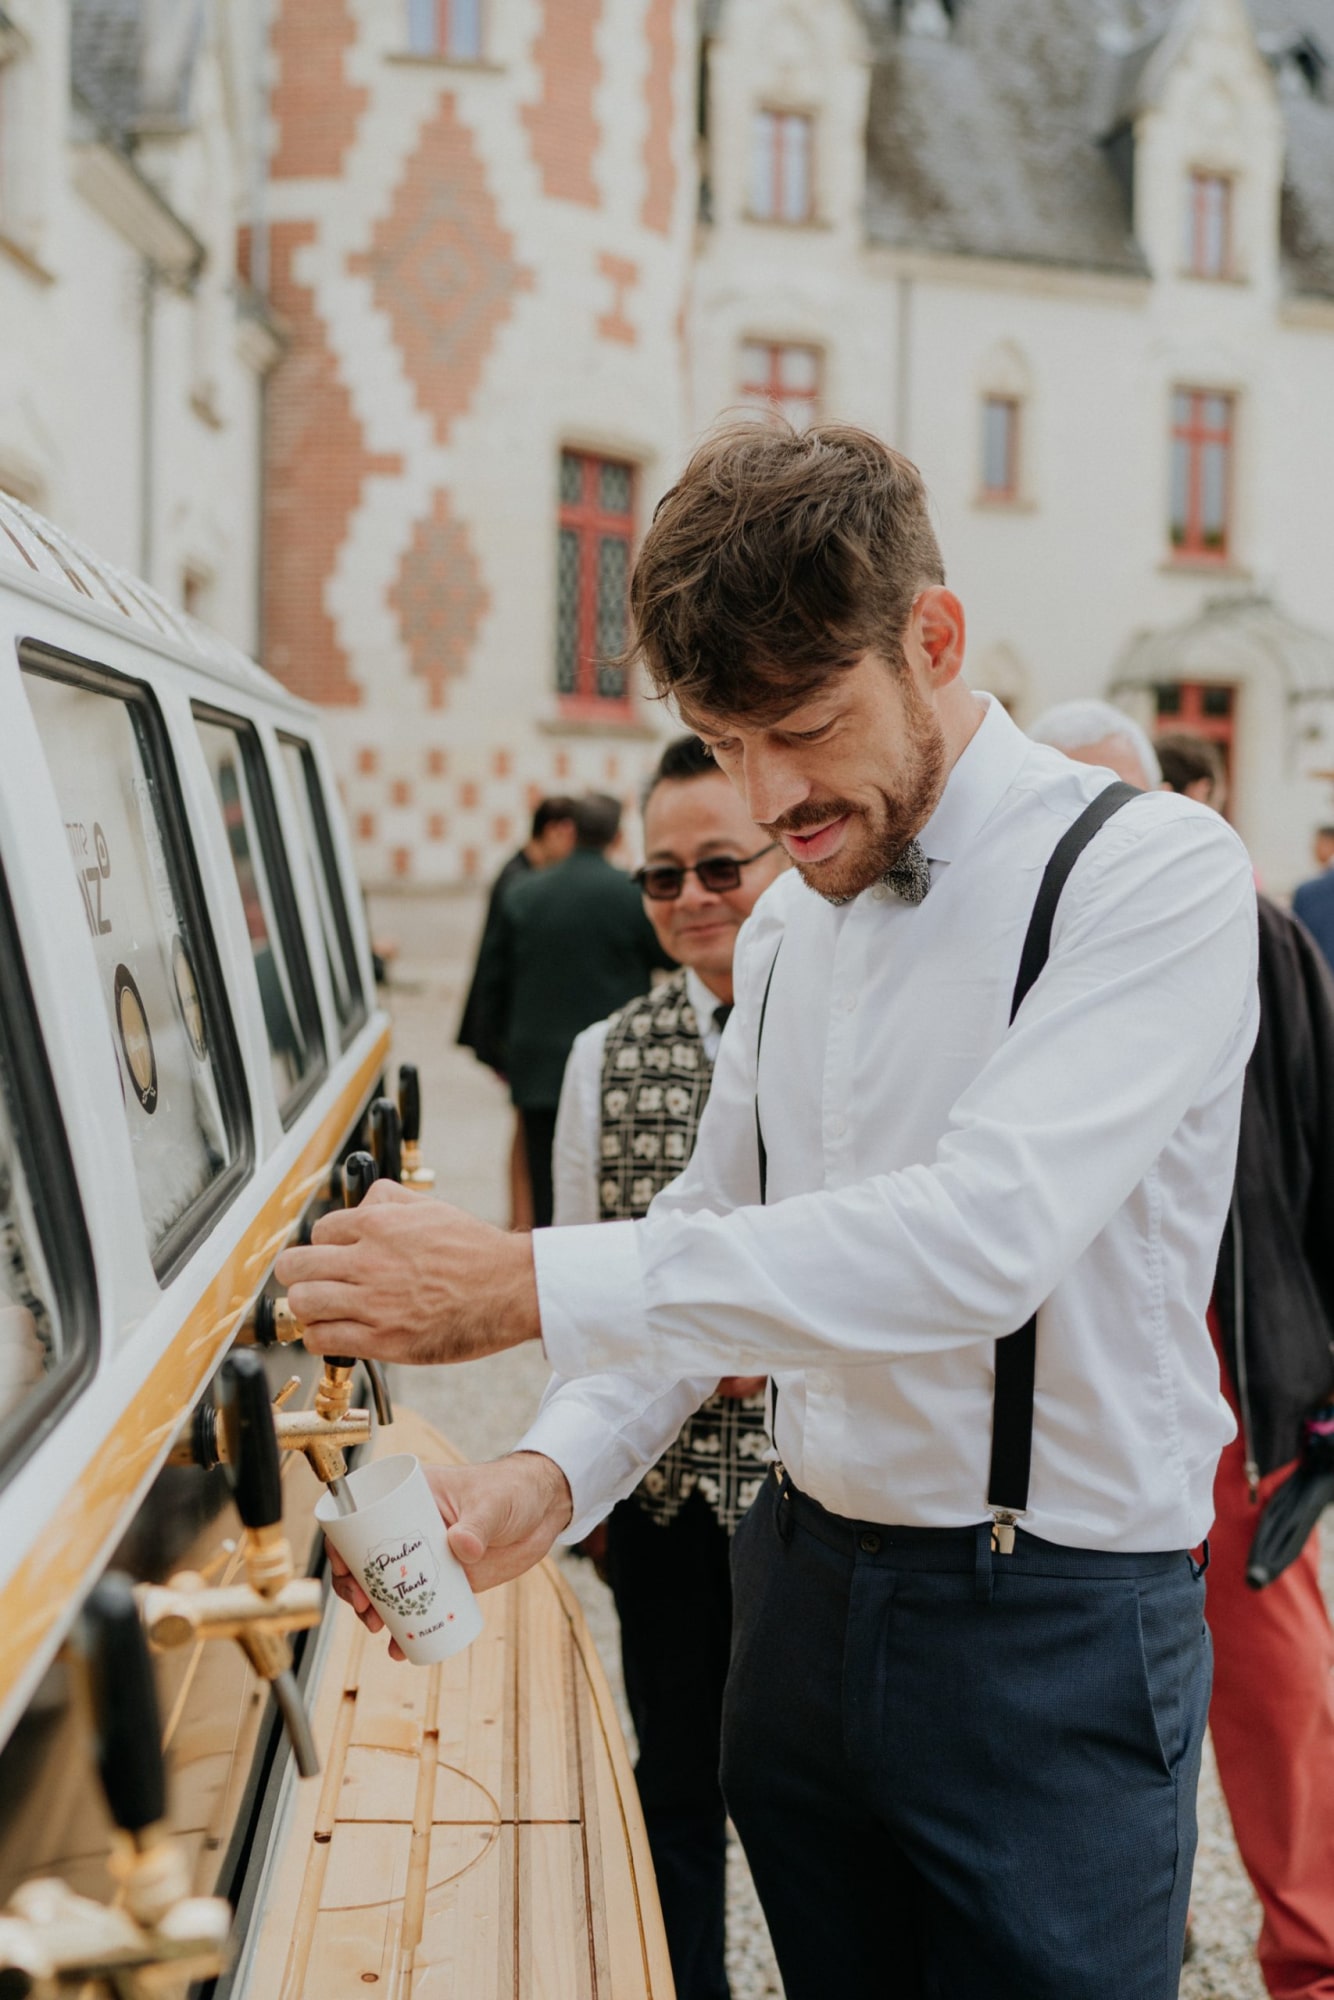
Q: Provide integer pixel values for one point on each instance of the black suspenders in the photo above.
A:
(1016, 1353)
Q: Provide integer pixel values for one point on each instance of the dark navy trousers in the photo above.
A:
(959, 1776)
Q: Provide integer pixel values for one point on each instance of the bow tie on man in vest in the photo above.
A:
(635, 1086)
(958, 1192)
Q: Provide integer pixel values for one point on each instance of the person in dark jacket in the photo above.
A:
(570, 945)
(550, 840)
(1313, 901)
(1271, 1714)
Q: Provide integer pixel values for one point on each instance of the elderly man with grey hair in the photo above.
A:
(1272, 1318)
(1094, 732)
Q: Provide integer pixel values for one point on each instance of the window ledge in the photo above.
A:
(1237, 279)
(784, 221)
(1198, 565)
(14, 252)
(620, 724)
(1005, 503)
(410, 59)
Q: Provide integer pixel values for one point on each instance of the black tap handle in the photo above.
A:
(387, 1139)
(359, 1171)
(336, 1181)
(252, 1441)
(126, 1724)
(410, 1103)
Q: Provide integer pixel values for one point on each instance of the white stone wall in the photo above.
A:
(72, 430)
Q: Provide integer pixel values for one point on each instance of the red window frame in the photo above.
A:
(1203, 188)
(1193, 436)
(446, 39)
(1008, 489)
(770, 389)
(768, 207)
(1195, 707)
(593, 524)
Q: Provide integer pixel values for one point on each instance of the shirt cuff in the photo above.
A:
(600, 1466)
(590, 1295)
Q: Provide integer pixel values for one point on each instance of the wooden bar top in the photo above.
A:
(475, 1833)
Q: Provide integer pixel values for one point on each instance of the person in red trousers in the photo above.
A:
(1272, 1317)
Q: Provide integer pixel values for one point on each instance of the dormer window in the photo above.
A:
(782, 376)
(450, 28)
(781, 162)
(1208, 243)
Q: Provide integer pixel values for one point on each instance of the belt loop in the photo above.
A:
(1197, 1569)
(983, 1574)
(783, 1511)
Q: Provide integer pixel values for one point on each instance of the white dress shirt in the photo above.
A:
(936, 1176)
(576, 1152)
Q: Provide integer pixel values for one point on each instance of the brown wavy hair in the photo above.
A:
(778, 558)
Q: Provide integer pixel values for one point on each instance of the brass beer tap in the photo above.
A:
(410, 1120)
(273, 1602)
(158, 1938)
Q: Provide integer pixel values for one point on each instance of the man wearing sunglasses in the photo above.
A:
(634, 1090)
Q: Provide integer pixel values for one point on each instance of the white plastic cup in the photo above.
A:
(395, 1546)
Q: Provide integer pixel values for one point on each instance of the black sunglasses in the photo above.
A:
(662, 881)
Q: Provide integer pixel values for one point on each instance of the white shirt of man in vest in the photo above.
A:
(635, 1088)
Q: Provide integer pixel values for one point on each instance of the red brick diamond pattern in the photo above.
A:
(439, 600)
(443, 270)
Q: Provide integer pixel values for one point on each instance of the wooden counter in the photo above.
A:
(475, 1831)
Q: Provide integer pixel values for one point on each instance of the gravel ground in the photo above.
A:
(483, 1406)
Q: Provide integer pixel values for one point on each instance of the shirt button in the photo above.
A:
(880, 893)
(869, 1544)
(848, 1002)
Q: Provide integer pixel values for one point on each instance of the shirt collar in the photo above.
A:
(703, 1002)
(983, 774)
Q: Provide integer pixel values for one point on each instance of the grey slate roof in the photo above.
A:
(1001, 141)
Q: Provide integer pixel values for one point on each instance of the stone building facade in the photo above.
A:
(1075, 256)
(480, 238)
(132, 355)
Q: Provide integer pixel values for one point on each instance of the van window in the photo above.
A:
(48, 1298)
(180, 1074)
(291, 1011)
(340, 950)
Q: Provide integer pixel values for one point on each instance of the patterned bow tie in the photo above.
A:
(910, 877)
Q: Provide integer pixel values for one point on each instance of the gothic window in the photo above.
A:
(781, 166)
(1208, 245)
(1000, 447)
(594, 532)
(782, 376)
(1203, 427)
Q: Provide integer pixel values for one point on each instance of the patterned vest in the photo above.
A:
(655, 1079)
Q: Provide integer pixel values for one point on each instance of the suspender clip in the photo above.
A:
(1003, 1526)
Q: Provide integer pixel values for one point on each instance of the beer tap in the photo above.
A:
(273, 1601)
(158, 1938)
(410, 1120)
(334, 1393)
(386, 1140)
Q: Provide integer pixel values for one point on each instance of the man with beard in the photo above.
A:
(972, 1252)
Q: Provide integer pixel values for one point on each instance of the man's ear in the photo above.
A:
(941, 629)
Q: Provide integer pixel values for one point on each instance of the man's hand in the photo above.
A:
(502, 1518)
(404, 1277)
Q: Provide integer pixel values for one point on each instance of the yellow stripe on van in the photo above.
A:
(43, 1586)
